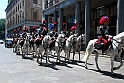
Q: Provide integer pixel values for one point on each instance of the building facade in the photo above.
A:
(87, 14)
(23, 12)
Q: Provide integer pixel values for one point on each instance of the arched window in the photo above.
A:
(35, 1)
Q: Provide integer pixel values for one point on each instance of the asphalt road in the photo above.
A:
(14, 69)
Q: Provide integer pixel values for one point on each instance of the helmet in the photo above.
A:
(73, 28)
(34, 27)
(104, 19)
(64, 24)
(14, 30)
(25, 28)
(19, 29)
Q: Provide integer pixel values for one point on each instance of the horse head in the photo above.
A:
(83, 37)
(46, 40)
(61, 39)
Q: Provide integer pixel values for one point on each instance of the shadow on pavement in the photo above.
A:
(107, 73)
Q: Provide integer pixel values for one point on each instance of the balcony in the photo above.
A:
(52, 2)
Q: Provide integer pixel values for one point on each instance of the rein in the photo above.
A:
(117, 41)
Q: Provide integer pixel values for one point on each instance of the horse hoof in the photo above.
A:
(57, 63)
(86, 67)
(113, 74)
(99, 70)
(114, 68)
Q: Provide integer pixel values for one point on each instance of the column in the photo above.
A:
(77, 15)
(60, 20)
(46, 18)
(43, 16)
(55, 18)
(120, 17)
(87, 22)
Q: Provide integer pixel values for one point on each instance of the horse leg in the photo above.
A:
(46, 52)
(38, 53)
(121, 63)
(112, 64)
(96, 60)
(73, 52)
(79, 52)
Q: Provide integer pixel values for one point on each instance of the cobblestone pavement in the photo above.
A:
(14, 69)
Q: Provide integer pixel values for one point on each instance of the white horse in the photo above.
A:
(77, 46)
(114, 50)
(26, 45)
(58, 45)
(68, 46)
(19, 45)
(44, 47)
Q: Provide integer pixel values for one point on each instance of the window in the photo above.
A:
(22, 3)
(107, 11)
(35, 1)
(111, 11)
(18, 7)
(115, 8)
(35, 16)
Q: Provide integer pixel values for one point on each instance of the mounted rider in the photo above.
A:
(14, 33)
(54, 33)
(65, 32)
(43, 28)
(105, 39)
(25, 30)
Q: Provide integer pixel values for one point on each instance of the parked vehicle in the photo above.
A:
(8, 42)
(1, 42)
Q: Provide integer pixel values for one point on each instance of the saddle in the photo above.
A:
(100, 44)
(52, 43)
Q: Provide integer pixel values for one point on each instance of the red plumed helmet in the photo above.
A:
(104, 19)
(35, 27)
(73, 28)
(54, 23)
(18, 29)
(14, 30)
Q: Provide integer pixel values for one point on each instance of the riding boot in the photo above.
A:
(103, 50)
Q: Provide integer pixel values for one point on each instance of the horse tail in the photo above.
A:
(89, 50)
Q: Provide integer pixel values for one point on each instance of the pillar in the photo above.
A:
(78, 16)
(120, 16)
(61, 20)
(55, 18)
(87, 22)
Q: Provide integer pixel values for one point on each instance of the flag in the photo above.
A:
(75, 22)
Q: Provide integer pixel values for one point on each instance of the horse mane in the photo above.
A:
(70, 37)
(119, 37)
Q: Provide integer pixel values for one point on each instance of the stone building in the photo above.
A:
(23, 12)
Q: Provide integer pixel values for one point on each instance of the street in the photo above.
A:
(14, 69)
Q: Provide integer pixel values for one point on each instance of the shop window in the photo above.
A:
(82, 17)
(97, 14)
(107, 11)
(115, 10)
(94, 14)
(91, 15)
(111, 11)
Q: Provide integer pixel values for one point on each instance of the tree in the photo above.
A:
(2, 28)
